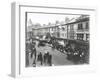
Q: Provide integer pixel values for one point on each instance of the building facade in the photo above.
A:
(76, 30)
(79, 29)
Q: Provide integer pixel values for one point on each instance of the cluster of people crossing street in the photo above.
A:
(45, 59)
(37, 58)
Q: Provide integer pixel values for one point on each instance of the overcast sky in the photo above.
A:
(46, 18)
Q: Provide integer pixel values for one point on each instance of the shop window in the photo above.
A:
(87, 25)
(80, 36)
(87, 36)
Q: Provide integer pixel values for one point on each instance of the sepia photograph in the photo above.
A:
(55, 39)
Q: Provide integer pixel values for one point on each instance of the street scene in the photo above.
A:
(56, 40)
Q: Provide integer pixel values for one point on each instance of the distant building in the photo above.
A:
(76, 29)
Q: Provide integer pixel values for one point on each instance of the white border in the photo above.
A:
(20, 69)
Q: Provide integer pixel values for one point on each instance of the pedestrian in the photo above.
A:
(34, 55)
(32, 48)
(50, 60)
(44, 57)
(40, 58)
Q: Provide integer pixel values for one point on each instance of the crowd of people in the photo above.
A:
(37, 57)
(76, 54)
(80, 52)
(45, 59)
